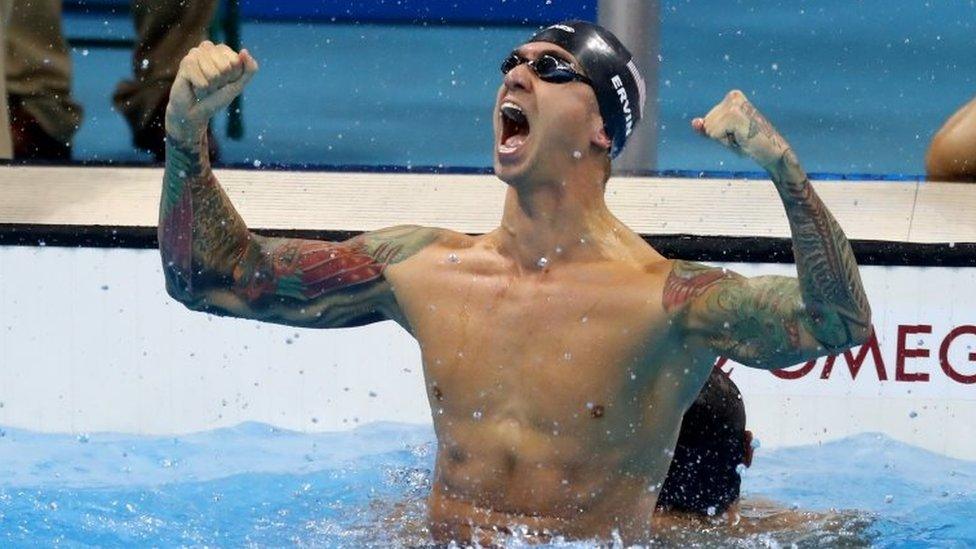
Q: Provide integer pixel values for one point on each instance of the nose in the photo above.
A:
(519, 78)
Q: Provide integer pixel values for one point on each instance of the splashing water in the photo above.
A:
(256, 485)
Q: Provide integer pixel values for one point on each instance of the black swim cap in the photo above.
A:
(618, 84)
(704, 477)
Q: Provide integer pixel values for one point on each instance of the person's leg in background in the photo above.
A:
(166, 31)
(43, 116)
(6, 149)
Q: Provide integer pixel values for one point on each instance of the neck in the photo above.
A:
(545, 223)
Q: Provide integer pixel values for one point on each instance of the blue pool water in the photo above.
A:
(254, 485)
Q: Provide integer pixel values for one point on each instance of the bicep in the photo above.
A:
(315, 283)
(299, 282)
(759, 322)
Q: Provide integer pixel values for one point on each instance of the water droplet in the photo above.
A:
(53, 505)
(453, 258)
(567, 356)
(542, 263)
(256, 163)
(913, 414)
(577, 155)
(144, 64)
(476, 415)
(584, 319)
(740, 468)
(559, 249)
(710, 510)
(889, 498)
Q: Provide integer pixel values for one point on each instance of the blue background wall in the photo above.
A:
(431, 11)
(400, 11)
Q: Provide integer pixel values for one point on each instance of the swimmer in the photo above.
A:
(952, 152)
(699, 502)
(713, 443)
(560, 351)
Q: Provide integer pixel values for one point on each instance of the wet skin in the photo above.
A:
(556, 392)
(556, 387)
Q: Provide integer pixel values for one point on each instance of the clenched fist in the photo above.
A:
(209, 78)
(738, 125)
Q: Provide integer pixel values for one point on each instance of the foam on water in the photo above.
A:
(257, 485)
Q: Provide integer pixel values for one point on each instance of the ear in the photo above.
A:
(599, 137)
(747, 450)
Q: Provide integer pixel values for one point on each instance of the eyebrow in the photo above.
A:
(557, 54)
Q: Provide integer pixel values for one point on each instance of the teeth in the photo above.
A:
(512, 111)
(510, 105)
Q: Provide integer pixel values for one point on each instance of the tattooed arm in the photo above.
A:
(773, 321)
(213, 263)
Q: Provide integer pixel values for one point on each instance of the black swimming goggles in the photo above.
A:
(549, 68)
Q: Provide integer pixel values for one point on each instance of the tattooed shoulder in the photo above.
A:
(688, 280)
(396, 244)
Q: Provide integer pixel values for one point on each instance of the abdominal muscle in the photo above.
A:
(498, 476)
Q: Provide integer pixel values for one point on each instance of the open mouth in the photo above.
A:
(515, 128)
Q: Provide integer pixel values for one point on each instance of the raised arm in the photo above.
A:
(213, 263)
(952, 152)
(774, 321)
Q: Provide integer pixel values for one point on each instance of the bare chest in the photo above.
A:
(537, 348)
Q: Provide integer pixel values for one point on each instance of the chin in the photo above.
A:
(514, 175)
(520, 168)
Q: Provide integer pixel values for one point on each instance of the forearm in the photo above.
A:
(201, 236)
(837, 308)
